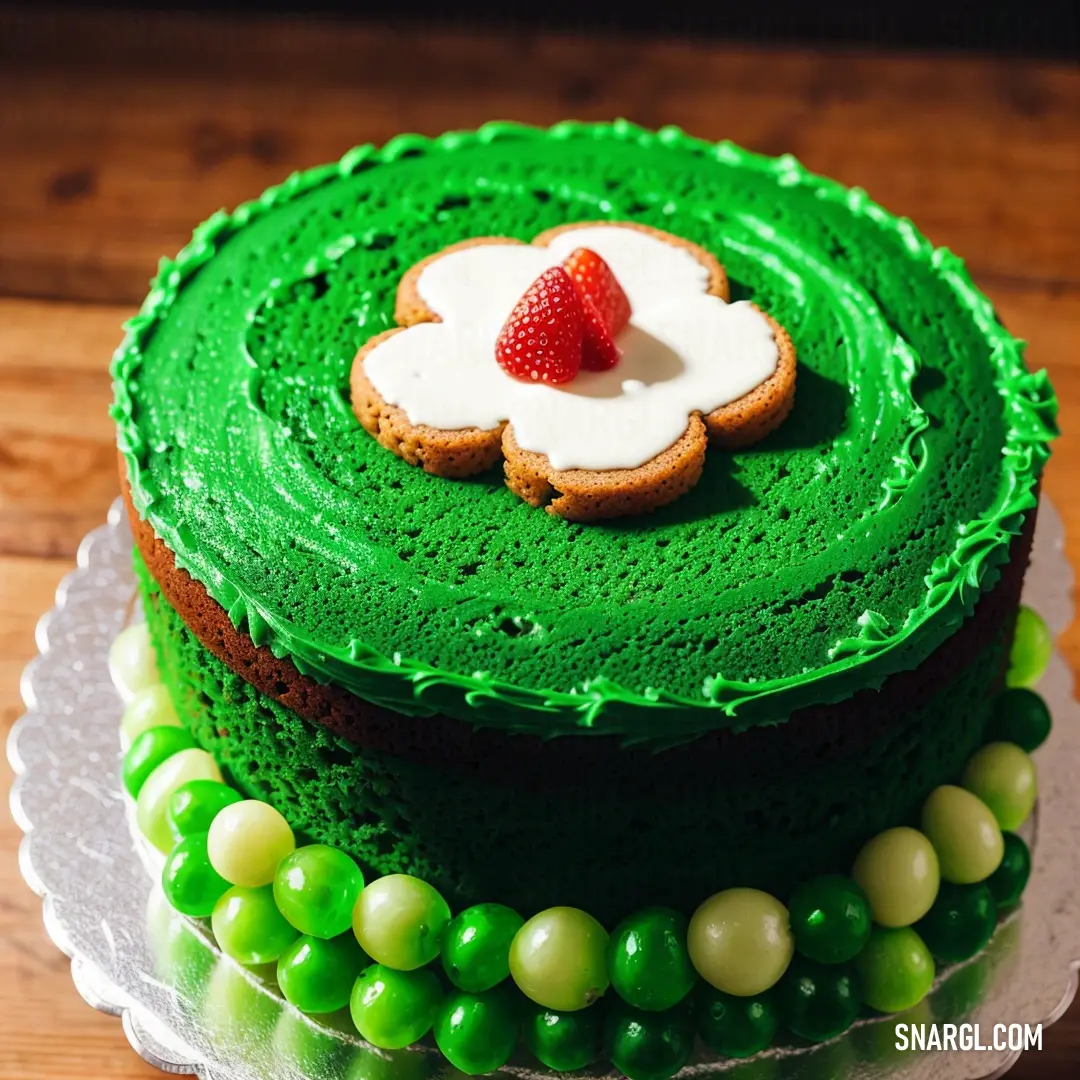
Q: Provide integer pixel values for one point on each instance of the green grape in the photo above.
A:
(648, 961)
(648, 1045)
(316, 888)
(193, 806)
(735, 1027)
(830, 919)
(1032, 647)
(1020, 716)
(148, 751)
(818, 1001)
(249, 927)
(1007, 882)
(477, 1032)
(896, 969)
(392, 1009)
(188, 880)
(563, 1041)
(960, 923)
(476, 946)
(317, 975)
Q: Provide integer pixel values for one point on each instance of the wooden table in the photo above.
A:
(117, 135)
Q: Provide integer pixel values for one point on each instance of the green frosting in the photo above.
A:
(846, 546)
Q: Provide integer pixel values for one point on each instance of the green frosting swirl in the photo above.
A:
(847, 546)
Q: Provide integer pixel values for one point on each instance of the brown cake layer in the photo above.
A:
(821, 733)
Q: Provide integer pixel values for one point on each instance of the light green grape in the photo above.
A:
(898, 870)
(964, 833)
(132, 663)
(151, 807)
(148, 708)
(1032, 647)
(1003, 776)
(558, 959)
(399, 921)
(740, 941)
(896, 969)
(248, 840)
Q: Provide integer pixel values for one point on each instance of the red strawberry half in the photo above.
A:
(542, 339)
(598, 349)
(596, 282)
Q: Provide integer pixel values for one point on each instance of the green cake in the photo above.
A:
(738, 690)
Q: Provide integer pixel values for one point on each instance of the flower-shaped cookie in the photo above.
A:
(694, 370)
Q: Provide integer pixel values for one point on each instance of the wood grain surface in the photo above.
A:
(119, 133)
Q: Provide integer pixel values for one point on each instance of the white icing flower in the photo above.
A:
(684, 351)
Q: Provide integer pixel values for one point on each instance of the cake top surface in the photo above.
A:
(845, 546)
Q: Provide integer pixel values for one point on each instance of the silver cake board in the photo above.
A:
(186, 1009)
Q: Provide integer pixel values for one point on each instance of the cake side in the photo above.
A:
(485, 815)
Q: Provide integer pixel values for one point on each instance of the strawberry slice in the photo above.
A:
(596, 282)
(541, 341)
(598, 349)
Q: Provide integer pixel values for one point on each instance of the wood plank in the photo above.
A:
(116, 143)
(1060, 483)
(57, 443)
(27, 589)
